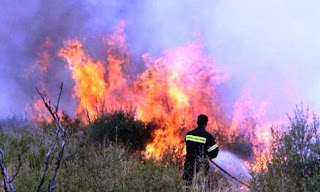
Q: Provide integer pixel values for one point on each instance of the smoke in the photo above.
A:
(25, 25)
(270, 47)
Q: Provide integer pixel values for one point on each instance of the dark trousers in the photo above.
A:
(191, 167)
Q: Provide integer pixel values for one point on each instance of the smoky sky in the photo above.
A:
(269, 47)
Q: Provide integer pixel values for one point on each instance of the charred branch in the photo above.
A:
(17, 171)
(97, 108)
(88, 115)
(57, 106)
(57, 166)
(102, 110)
(60, 136)
(44, 172)
(7, 182)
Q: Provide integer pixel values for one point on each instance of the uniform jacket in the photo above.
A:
(200, 145)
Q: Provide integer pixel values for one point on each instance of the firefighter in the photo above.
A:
(200, 145)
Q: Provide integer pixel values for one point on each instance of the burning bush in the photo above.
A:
(295, 152)
(121, 128)
(239, 145)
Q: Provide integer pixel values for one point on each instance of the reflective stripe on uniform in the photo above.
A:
(196, 139)
(213, 147)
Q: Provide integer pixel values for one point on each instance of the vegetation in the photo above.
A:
(295, 151)
(240, 145)
(121, 128)
(87, 165)
(106, 156)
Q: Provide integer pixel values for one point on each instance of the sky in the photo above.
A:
(269, 47)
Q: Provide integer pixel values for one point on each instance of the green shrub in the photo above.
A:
(240, 145)
(31, 144)
(111, 168)
(98, 162)
(172, 157)
(86, 166)
(122, 128)
(73, 126)
(295, 164)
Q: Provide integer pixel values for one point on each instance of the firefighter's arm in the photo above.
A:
(213, 148)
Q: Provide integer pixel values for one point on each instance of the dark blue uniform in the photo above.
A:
(200, 145)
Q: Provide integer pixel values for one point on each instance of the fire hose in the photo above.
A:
(224, 171)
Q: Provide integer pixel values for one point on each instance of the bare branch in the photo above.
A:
(17, 171)
(97, 109)
(44, 172)
(102, 103)
(46, 103)
(87, 114)
(57, 166)
(6, 178)
(60, 92)
(4, 185)
(60, 134)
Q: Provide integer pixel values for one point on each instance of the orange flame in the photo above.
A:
(42, 65)
(45, 56)
(88, 76)
(175, 87)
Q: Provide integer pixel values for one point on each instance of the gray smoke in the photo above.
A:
(24, 27)
(271, 47)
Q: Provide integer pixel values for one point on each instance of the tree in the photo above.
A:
(295, 152)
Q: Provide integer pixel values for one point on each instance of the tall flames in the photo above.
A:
(175, 87)
(88, 76)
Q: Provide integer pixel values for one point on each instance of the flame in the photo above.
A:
(42, 65)
(177, 87)
(45, 55)
(88, 76)
(174, 87)
(38, 111)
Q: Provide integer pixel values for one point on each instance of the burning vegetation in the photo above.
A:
(149, 111)
(95, 158)
(173, 88)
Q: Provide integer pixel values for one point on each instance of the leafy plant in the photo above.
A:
(295, 151)
(122, 128)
